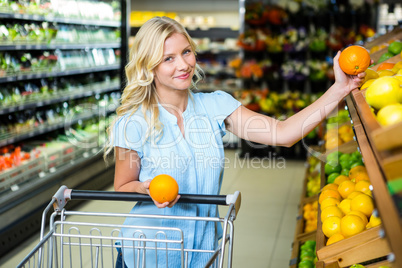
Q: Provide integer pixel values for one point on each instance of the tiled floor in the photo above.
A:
(265, 227)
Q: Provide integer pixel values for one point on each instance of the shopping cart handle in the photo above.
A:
(65, 194)
(127, 196)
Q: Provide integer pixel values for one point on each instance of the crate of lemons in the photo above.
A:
(346, 201)
(383, 88)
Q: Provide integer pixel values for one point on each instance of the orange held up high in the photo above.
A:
(354, 60)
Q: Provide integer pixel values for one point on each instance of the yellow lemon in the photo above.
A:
(335, 238)
(361, 215)
(354, 194)
(330, 201)
(390, 114)
(363, 186)
(332, 186)
(383, 73)
(383, 91)
(330, 212)
(328, 193)
(367, 83)
(399, 76)
(346, 188)
(363, 203)
(374, 221)
(331, 226)
(370, 74)
(341, 178)
(352, 225)
(344, 205)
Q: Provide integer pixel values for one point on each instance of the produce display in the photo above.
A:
(17, 63)
(30, 159)
(310, 211)
(346, 201)
(307, 256)
(382, 92)
(313, 176)
(65, 9)
(48, 89)
(45, 33)
(339, 130)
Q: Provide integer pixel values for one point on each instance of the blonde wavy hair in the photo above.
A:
(145, 55)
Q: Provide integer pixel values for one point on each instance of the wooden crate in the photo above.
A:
(359, 248)
(385, 141)
(382, 199)
(294, 258)
(385, 38)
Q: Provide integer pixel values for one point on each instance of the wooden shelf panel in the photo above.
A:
(383, 201)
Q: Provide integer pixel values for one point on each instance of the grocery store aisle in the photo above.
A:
(265, 227)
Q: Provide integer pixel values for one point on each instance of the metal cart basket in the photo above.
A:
(76, 239)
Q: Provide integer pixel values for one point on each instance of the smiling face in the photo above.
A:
(176, 70)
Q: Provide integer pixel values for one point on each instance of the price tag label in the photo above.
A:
(14, 187)
(42, 174)
(94, 150)
(85, 155)
(52, 170)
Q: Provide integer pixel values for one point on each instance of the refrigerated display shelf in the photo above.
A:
(29, 133)
(30, 76)
(62, 46)
(50, 18)
(70, 95)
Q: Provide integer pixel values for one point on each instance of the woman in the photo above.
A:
(162, 127)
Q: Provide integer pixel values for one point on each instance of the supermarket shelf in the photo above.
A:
(23, 208)
(57, 99)
(36, 131)
(30, 76)
(62, 46)
(49, 18)
(385, 205)
(212, 33)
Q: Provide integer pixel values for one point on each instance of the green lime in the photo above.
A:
(334, 156)
(306, 264)
(310, 243)
(332, 167)
(385, 56)
(347, 163)
(357, 266)
(345, 172)
(345, 157)
(395, 47)
(307, 255)
(358, 163)
(331, 177)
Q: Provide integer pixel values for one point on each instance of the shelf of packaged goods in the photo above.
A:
(384, 203)
(49, 18)
(65, 123)
(365, 246)
(62, 46)
(39, 75)
(40, 101)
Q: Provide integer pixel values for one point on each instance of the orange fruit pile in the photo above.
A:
(310, 212)
(163, 188)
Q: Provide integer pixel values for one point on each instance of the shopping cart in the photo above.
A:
(84, 242)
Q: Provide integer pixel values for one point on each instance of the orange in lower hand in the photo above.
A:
(163, 188)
